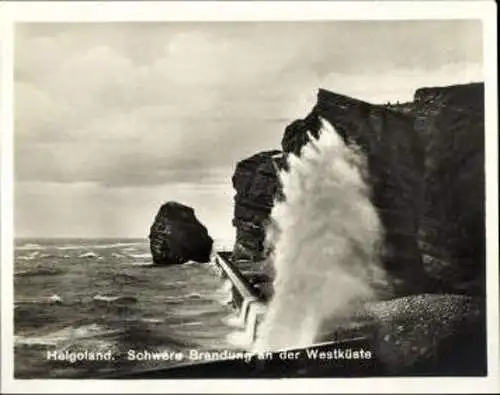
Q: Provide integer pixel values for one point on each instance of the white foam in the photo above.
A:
(141, 263)
(327, 238)
(29, 257)
(68, 334)
(152, 320)
(140, 256)
(187, 324)
(96, 246)
(234, 321)
(30, 246)
(30, 341)
(55, 299)
(191, 295)
(89, 254)
(224, 294)
(240, 339)
(103, 298)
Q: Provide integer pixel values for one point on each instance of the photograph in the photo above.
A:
(224, 199)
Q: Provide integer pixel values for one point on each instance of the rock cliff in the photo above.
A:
(450, 121)
(426, 170)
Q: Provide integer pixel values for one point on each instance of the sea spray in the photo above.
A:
(328, 235)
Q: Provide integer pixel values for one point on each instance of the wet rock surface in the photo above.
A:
(177, 236)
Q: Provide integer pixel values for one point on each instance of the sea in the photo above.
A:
(86, 295)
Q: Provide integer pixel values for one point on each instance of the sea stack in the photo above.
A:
(177, 236)
(256, 182)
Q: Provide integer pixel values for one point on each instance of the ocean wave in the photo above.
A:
(34, 255)
(95, 246)
(53, 299)
(29, 257)
(140, 263)
(327, 235)
(42, 271)
(90, 254)
(30, 246)
(68, 334)
(129, 249)
(152, 320)
(224, 294)
(110, 299)
(145, 320)
(140, 256)
(181, 298)
(196, 312)
(234, 321)
(189, 263)
(240, 339)
(189, 323)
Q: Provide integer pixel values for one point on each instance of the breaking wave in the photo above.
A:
(327, 236)
(68, 334)
(30, 246)
(98, 246)
(42, 271)
(110, 299)
(140, 256)
(53, 299)
(90, 254)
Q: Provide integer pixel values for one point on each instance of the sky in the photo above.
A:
(114, 119)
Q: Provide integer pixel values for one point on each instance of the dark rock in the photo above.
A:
(395, 157)
(177, 236)
(452, 228)
(257, 186)
(421, 334)
(295, 138)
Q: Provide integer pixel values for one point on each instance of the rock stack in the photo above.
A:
(257, 186)
(177, 236)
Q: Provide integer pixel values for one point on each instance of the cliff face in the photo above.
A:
(256, 183)
(426, 171)
(452, 228)
(395, 157)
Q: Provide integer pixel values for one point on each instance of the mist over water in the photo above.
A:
(328, 239)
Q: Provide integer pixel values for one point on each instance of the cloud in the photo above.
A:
(94, 100)
(114, 107)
